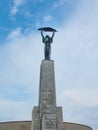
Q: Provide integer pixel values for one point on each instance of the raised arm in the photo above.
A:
(42, 36)
(52, 35)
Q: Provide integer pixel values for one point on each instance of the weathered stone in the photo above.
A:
(26, 125)
(49, 122)
(47, 95)
(35, 119)
(49, 116)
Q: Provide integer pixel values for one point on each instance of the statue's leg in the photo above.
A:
(49, 51)
(45, 52)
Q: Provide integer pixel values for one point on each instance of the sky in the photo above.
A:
(74, 51)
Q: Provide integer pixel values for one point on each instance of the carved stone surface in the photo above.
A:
(49, 122)
(35, 119)
(47, 116)
(47, 96)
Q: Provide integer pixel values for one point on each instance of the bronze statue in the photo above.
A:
(47, 40)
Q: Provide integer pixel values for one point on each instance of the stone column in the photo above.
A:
(47, 93)
(47, 116)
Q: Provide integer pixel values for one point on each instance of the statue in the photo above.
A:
(47, 40)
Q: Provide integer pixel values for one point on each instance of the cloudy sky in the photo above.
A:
(74, 51)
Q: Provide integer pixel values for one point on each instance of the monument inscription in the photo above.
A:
(49, 122)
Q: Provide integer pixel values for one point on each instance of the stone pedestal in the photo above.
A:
(47, 116)
(47, 96)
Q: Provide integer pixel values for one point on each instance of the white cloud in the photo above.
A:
(16, 5)
(48, 18)
(18, 58)
(60, 3)
(77, 70)
(15, 34)
(81, 96)
(21, 113)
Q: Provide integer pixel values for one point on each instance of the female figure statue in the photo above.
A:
(47, 40)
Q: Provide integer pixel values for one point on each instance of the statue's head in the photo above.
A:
(47, 36)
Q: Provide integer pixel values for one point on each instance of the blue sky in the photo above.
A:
(32, 13)
(75, 52)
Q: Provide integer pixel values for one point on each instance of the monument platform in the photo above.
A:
(26, 125)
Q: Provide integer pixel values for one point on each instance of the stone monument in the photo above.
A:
(47, 115)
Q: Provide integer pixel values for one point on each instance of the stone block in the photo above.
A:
(35, 119)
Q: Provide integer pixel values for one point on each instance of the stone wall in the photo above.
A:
(74, 126)
(17, 125)
(26, 125)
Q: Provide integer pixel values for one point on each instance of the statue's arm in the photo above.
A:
(42, 36)
(52, 35)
